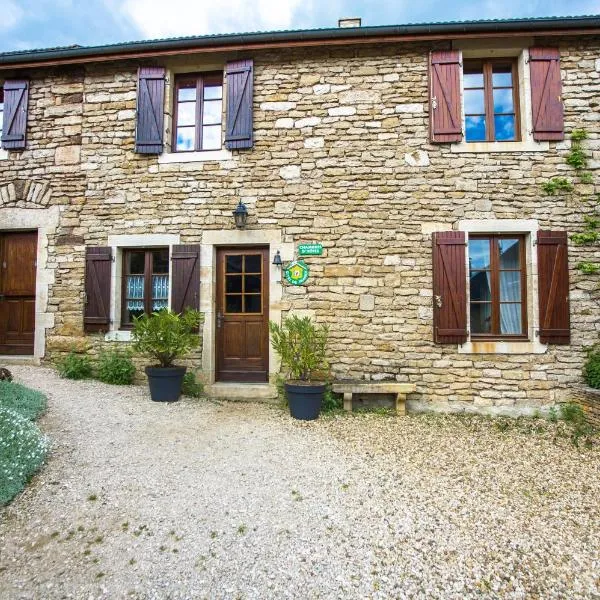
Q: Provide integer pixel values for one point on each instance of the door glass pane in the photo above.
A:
(233, 264)
(185, 138)
(136, 263)
(186, 113)
(481, 318)
(160, 261)
(252, 303)
(211, 137)
(233, 304)
(233, 283)
(504, 126)
(510, 318)
(480, 285)
(475, 129)
(160, 292)
(474, 102)
(213, 92)
(186, 93)
(502, 75)
(510, 286)
(212, 112)
(253, 283)
(253, 262)
(503, 101)
(509, 254)
(479, 254)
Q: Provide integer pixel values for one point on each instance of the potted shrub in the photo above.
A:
(166, 336)
(301, 345)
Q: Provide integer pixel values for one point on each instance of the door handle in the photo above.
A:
(219, 320)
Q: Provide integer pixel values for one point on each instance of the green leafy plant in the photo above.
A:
(556, 185)
(75, 366)
(332, 402)
(30, 404)
(588, 268)
(577, 158)
(586, 178)
(192, 386)
(584, 238)
(591, 368)
(115, 367)
(301, 345)
(166, 335)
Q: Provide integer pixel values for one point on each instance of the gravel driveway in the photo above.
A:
(204, 500)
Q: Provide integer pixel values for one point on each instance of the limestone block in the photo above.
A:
(309, 79)
(320, 89)
(342, 271)
(366, 302)
(126, 115)
(314, 142)
(63, 343)
(432, 226)
(391, 260)
(409, 108)
(418, 158)
(466, 185)
(307, 122)
(290, 172)
(285, 123)
(279, 106)
(283, 207)
(391, 77)
(341, 111)
(359, 97)
(67, 155)
(483, 205)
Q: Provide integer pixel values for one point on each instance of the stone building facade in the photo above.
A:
(342, 154)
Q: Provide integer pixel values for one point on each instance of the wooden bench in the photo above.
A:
(348, 388)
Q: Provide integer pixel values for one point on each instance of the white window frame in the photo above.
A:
(529, 228)
(500, 50)
(118, 243)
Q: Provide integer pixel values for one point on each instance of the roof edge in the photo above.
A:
(333, 36)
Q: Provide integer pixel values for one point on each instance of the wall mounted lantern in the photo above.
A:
(240, 215)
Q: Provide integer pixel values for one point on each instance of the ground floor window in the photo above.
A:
(497, 277)
(145, 282)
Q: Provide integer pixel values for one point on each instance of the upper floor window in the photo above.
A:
(145, 282)
(198, 112)
(497, 276)
(491, 100)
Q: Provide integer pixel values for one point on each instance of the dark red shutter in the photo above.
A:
(445, 104)
(240, 74)
(185, 278)
(150, 110)
(546, 94)
(96, 315)
(449, 288)
(14, 125)
(553, 287)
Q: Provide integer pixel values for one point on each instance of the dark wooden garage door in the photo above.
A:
(243, 314)
(18, 261)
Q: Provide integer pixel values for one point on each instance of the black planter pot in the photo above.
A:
(305, 400)
(165, 383)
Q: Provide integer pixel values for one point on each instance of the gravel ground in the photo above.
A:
(205, 500)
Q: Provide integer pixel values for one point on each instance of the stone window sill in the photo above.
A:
(118, 335)
(502, 347)
(481, 147)
(170, 158)
(3, 154)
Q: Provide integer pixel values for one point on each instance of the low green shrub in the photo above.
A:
(591, 368)
(75, 366)
(30, 404)
(23, 448)
(191, 386)
(331, 402)
(115, 367)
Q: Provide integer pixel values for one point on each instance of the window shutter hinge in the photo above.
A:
(113, 259)
(537, 333)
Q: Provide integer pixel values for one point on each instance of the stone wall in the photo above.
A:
(341, 156)
(589, 398)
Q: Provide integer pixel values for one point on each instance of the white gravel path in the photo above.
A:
(203, 500)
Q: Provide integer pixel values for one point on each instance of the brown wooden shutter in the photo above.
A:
(150, 110)
(185, 277)
(546, 94)
(240, 74)
(553, 287)
(96, 316)
(449, 288)
(445, 103)
(14, 125)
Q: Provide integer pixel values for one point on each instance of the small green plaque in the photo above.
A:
(310, 249)
(296, 272)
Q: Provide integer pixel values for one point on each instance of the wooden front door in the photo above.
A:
(18, 261)
(242, 314)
